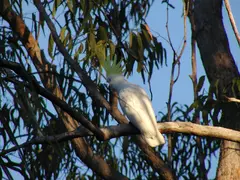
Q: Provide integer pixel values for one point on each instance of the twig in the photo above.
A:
(196, 117)
(232, 99)
(232, 21)
(176, 61)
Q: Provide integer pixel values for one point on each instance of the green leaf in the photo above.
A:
(200, 83)
(146, 38)
(102, 33)
(55, 6)
(130, 64)
(50, 46)
(92, 42)
(62, 33)
(112, 49)
(150, 65)
(80, 50)
(130, 39)
(134, 46)
(66, 39)
(101, 51)
(159, 51)
(70, 42)
(147, 35)
(70, 5)
(35, 23)
(140, 48)
(139, 67)
(139, 40)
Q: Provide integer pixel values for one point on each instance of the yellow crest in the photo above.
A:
(112, 67)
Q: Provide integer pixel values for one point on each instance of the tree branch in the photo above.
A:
(232, 21)
(127, 130)
(18, 69)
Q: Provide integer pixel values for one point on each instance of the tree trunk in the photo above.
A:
(220, 69)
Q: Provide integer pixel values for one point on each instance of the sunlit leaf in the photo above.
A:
(92, 42)
(130, 39)
(146, 28)
(70, 4)
(101, 51)
(79, 51)
(62, 33)
(55, 6)
(50, 46)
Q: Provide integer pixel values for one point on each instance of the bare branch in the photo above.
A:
(127, 129)
(232, 21)
(232, 99)
(176, 61)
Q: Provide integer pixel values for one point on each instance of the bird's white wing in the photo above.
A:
(137, 107)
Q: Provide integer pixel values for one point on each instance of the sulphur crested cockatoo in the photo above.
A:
(134, 103)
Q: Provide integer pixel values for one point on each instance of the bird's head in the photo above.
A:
(115, 79)
(114, 72)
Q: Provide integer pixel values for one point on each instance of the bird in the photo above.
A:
(134, 103)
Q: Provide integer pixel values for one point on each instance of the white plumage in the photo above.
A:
(137, 107)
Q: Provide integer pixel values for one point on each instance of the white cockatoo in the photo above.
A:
(134, 103)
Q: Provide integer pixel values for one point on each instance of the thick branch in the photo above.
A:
(127, 129)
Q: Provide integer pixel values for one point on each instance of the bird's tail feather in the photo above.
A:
(154, 141)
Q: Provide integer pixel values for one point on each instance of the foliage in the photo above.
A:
(90, 31)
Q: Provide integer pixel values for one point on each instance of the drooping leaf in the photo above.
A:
(35, 24)
(70, 4)
(102, 34)
(78, 51)
(92, 42)
(146, 28)
(112, 49)
(130, 39)
(55, 6)
(200, 83)
(62, 33)
(139, 67)
(140, 48)
(50, 46)
(101, 51)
